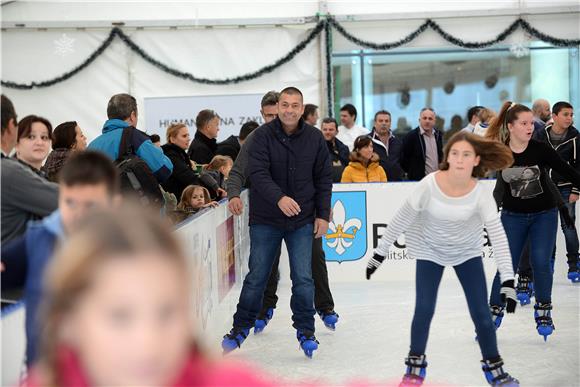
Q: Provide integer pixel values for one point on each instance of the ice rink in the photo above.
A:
(372, 338)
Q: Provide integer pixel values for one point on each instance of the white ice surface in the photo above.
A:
(372, 338)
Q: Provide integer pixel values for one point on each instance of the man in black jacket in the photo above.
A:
(565, 139)
(204, 145)
(291, 185)
(231, 145)
(339, 152)
(387, 146)
(422, 147)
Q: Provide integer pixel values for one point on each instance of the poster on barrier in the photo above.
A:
(361, 214)
(225, 257)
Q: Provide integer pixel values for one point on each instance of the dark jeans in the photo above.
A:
(265, 241)
(540, 228)
(570, 236)
(322, 294)
(472, 279)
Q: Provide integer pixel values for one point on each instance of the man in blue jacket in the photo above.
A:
(291, 185)
(122, 112)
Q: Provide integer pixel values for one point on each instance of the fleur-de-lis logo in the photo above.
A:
(342, 233)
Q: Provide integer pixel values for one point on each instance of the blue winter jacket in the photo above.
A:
(26, 260)
(297, 166)
(109, 142)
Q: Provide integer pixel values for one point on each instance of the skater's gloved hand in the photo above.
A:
(374, 264)
(508, 295)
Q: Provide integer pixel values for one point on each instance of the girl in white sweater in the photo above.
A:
(443, 221)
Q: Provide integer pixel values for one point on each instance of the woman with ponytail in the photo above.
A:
(529, 205)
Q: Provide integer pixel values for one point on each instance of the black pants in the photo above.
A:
(322, 295)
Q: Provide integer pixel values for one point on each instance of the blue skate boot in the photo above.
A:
(495, 375)
(496, 315)
(262, 320)
(543, 317)
(308, 342)
(524, 290)
(234, 339)
(416, 371)
(573, 268)
(329, 318)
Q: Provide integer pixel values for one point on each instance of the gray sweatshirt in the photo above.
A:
(25, 196)
(237, 179)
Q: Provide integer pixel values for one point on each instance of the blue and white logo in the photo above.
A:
(346, 239)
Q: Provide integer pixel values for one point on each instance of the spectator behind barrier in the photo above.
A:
(25, 195)
(238, 175)
(183, 175)
(387, 146)
(122, 113)
(88, 180)
(310, 115)
(156, 140)
(542, 114)
(422, 147)
(204, 145)
(472, 118)
(338, 151)
(231, 146)
(66, 138)
(33, 142)
(193, 199)
(349, 131)
(364, 164)
(219, 169)
(485, 116)
(103, 327)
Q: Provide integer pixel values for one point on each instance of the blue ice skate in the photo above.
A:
(574, 276)
(495, 375)
(543, 317)
(416, 371)
(308, 342)
(263, 320)
(329, 318)
(234, 339)
(524, 290)
(496, 315)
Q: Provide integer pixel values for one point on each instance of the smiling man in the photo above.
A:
(291, 185)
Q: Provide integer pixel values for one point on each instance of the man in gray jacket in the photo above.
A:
(25, 195)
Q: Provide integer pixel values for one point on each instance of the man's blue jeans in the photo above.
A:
(265, 240)
(541, 228)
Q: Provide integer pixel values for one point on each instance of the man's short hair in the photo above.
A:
(155, 138)
(350, 109)
(473, 111)
(561, 105)
(291, 90)
(308, 110)
(90, 168)
(270, 98)
(330, 120)
(247, 128)
(427, 108)
(204, 117)
(121, 106)
(8, 112)
(382, 112)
